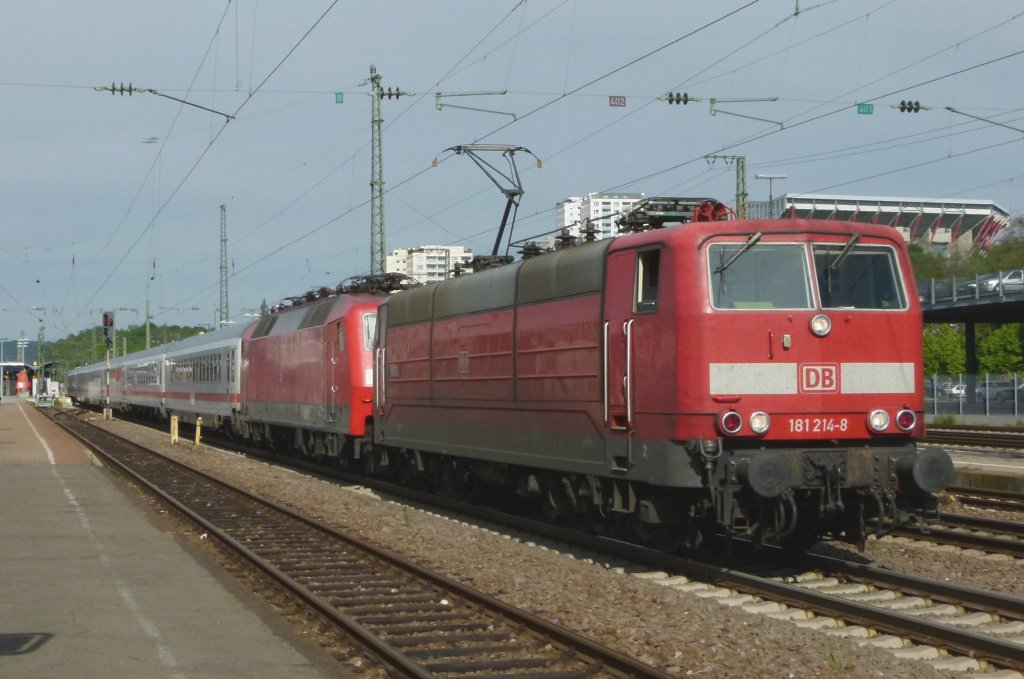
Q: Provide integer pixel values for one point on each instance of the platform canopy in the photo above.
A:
(937, 222)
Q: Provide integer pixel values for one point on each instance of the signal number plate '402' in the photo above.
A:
(818, 425)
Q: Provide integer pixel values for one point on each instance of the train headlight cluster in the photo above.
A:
(821, 325)
(760, 422)
(731, 422)
(879, 420)
(906, 419)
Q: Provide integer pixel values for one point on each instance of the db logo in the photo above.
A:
(819, 377)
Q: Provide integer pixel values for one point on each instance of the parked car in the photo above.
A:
(988, 284)
(954, 390)
(995, 390)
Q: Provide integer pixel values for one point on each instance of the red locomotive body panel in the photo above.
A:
(558, 351)
(472, 358)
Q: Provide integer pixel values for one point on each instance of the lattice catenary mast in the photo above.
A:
(377, 169)
(223, 266)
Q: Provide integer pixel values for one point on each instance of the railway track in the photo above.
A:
(988, 437)
(948, 626)
(993, 499)
(994, 536)
(415, 622)
(981, 631)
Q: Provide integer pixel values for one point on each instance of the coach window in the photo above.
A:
(341, 339)
(647, 270)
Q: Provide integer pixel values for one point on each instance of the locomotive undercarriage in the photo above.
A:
(766, 495)
(781, 496)
(795, 496)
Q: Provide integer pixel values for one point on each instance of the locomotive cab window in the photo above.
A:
(852, 276)
(754, 275)
(369, 331)
(647, 272)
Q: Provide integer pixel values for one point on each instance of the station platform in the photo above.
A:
(91, 586)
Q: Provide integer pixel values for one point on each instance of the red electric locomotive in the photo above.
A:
(307, 373)
(752, 377)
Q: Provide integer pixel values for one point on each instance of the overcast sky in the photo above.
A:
(107, 201)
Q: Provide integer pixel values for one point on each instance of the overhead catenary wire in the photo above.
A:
(428, 217)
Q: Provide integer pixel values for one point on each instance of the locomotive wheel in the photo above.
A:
(453, 479)
(404, 464)
(554, 503)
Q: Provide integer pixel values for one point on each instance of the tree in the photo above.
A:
(1007, 254)
(944, 352)
(1000, 350)
(87, 347)
(926, 262)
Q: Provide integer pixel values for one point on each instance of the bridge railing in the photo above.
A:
(988, 394)
(992, 284)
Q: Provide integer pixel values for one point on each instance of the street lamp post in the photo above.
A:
(770, 178)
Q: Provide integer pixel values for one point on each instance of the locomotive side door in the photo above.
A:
(335, 337)
(618, 351)
(631, 293)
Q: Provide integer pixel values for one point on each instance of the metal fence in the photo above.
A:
(996, 284)
(987, 394)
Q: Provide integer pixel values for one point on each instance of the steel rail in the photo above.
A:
(986, 497)
(976, 436)
(591, 653)
(1000, 653)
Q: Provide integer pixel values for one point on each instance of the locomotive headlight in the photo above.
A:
(821, 325)
(906, 419)
(879, 420)
(760, 422)
(731, 422)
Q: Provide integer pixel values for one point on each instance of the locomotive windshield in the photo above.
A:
(858, 277)
(756, 275)
(761, 276)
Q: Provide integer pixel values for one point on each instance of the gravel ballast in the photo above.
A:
(676, 631)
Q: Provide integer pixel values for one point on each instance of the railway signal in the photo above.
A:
(678, 98)
(108, 328)
(911, 106)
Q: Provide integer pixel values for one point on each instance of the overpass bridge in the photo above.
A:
(990, 298)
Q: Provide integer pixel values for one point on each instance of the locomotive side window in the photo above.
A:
(759, 276)
(858, 277)
(647, 271)
(341, 338)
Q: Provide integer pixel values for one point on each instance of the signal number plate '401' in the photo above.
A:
(818, 425)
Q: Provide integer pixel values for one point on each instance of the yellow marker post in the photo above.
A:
(199, 427)
(174, 429)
